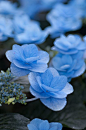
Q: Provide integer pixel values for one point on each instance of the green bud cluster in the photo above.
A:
(10, 92)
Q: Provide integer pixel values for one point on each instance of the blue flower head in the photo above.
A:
(27, 31)
(27, 58)
(62, 25)
(38, 124)
(63, 19)
(51, 88)
(6, 28)
(69, 66)
(72, 44)
(7, 8)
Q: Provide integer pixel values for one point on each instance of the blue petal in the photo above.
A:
(36, 122)
(53, 71)
(33, 82)
(43, 57)
(59, 94)
(79, 64)
(44, 125)
(30, 50)
(47, 77)
(40, 67)
(59, 82)
(10, 55)
(18, 51)
(18, 71)
(54, 104)
(37, 94)
(57, 62)
(68, 89)
(82, 46)
(55, 126)
(32, 127)
(21, 64)
(80, 71)
(67, 59)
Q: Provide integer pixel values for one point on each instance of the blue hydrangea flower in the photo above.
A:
(72, 44)
(51, 88)
(6, 28)
(62, 25)
(7, 8)
(27, 31)
(27, 58)
(68, 66)
(38, 124)
(63, 19)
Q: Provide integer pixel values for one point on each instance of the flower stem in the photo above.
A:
(32, 99)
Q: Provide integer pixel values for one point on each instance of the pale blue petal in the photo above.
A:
(54, 104)
(82, 46)
(40, 67)
(18, 71)
(58, 126)
(59, 82)
(21, 64)
(10, 55)
(32, 127)
(59, 94)
(43, 57)
(53, 71)
(44, 125)
(80, 71)
(30, 50)
(37, 94)
(67, 59)
(47, 77)
(33, 82)
(36, 122)
(79, 64)
(68, 89)
(55, 126)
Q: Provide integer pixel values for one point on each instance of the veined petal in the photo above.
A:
(54, 104)
(44, 125)
(33, 82)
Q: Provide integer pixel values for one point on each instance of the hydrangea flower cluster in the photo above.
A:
(12, 19)
(70, 60)
(10, 92)
(51, 88)
(38, 124)
(26, 59)
(63, 18)
(50, 85)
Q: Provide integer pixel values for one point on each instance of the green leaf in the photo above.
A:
(13, 122)
(75, 117)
